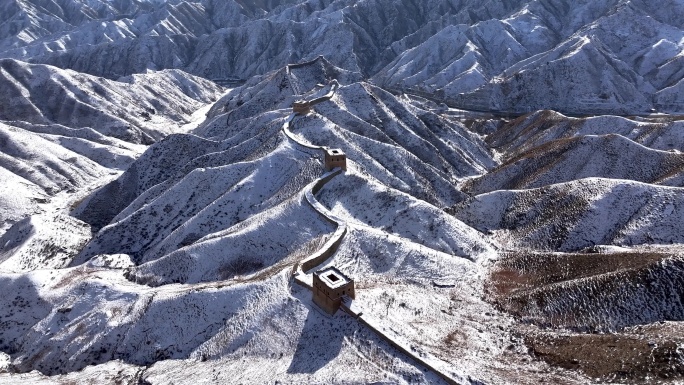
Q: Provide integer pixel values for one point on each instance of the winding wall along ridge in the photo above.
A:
(333, 243)
(293, 85)
(330, 247)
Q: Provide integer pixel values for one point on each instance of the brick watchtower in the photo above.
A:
(301, 107)
(329, 286)
(334, 157)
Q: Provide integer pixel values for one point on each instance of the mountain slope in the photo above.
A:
(599, 57)
(254, 168)
(527, 132)
(156, 227)
(479, 55)
(579, 75)
(128, 109)
(610, 291)
(63, 133)
(195, 211)
(578, 214)
(401, 145)
(564, 160)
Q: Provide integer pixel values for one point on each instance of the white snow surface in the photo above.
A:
(151, 221)
(591, 56)
(191, 266)
(573, 215)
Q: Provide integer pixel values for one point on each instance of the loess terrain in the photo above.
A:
(511, 209)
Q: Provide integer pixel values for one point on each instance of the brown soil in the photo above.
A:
(518, 272)
(622, 357)
(642, 354)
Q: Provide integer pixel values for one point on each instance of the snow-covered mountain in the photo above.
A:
(63, 132)
(587, 56)
(137, 109)
(564, 160)
(573, 215)
(231, 192)
(218, 216)
(156, 227)
(608, 56)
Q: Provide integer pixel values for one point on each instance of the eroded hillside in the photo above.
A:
(156, 227)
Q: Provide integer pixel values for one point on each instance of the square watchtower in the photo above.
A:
(334, 157)
(329, 286)
(301, 107)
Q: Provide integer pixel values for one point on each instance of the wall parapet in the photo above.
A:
(348, 305)
(423, 358)
(331, 246)
(292, 137)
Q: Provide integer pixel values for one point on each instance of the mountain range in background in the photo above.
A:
(584, 57)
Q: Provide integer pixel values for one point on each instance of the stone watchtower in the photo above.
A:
(301, 107)
(334, 157)
(329, 286)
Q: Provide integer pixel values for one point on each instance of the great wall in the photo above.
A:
(330, 247)
(303, 270)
